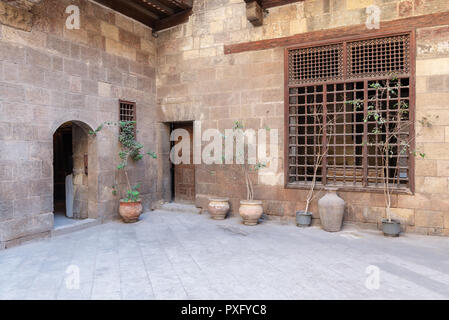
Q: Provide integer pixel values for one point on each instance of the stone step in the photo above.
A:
(180, 207)
(75, 226)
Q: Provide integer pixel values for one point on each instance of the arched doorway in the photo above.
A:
(73, 180)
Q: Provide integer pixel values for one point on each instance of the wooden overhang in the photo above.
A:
(265, 4)
(336, 34)
(156, 14)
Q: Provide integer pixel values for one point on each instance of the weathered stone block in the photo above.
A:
(18, 228)
(405, 216)
(6, 210)
(12, 93)
(14, 150)
(37, 96)
(58, 45)
(15, 17)
(76, 68)
(428, 218)
(109, 31)
(12, 53)
(431, 67)
(38, 58)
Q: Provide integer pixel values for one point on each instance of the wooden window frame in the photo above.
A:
(412, 103)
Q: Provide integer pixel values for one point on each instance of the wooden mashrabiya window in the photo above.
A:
(330, 91)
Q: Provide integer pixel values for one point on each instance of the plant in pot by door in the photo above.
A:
(218, 208)
(130, 207)
(250, 210)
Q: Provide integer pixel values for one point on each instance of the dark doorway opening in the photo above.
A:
(183, 175)
(70, 173)
(62, 165)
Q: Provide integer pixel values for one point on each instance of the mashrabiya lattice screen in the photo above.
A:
(329, 111)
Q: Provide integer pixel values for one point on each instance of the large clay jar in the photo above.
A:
(251, 211)
(130, 211)
(218, 208)
(332, 209)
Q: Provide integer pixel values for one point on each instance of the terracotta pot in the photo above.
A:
(130, 211)
(251, 211)
(218, 208)
(332, 209)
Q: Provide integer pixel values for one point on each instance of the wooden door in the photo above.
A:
(184, 174)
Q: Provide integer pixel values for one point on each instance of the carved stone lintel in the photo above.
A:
(15, 17)
(254, 13)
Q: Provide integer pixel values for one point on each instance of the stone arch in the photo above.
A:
(85, 180)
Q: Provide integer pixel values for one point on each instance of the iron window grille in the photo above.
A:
(127, 112)
(329, 94)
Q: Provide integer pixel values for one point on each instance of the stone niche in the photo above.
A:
(17, 13)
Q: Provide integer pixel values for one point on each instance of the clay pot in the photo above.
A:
(332, 209)
(130, 211)
(218, 208)
(251, 211)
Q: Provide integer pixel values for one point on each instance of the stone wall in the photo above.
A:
(196, 81)
(80, 145)
(51, 75)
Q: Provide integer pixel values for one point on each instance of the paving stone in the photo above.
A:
(180, 255)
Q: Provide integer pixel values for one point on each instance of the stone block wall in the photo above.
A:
(197, 81)
(50, 75)
(80, 179)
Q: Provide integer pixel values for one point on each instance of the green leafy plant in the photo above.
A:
(131, 149)
(133, 194)
(322, 149)
(94, 132)
(390, 130)
(246, 168)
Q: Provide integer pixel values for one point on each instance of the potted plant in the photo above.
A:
(395, 128)
(218, 207)
(250, 210)
(304, 217)
(130, 207)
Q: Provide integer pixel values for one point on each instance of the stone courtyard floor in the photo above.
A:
(174, 255)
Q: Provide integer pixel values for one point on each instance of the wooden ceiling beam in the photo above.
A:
(133, 11)
(394, 26)
(276, 3)
(173, 20)
(183, 4)
(134, 5)
(265, 4)
(155, 4)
